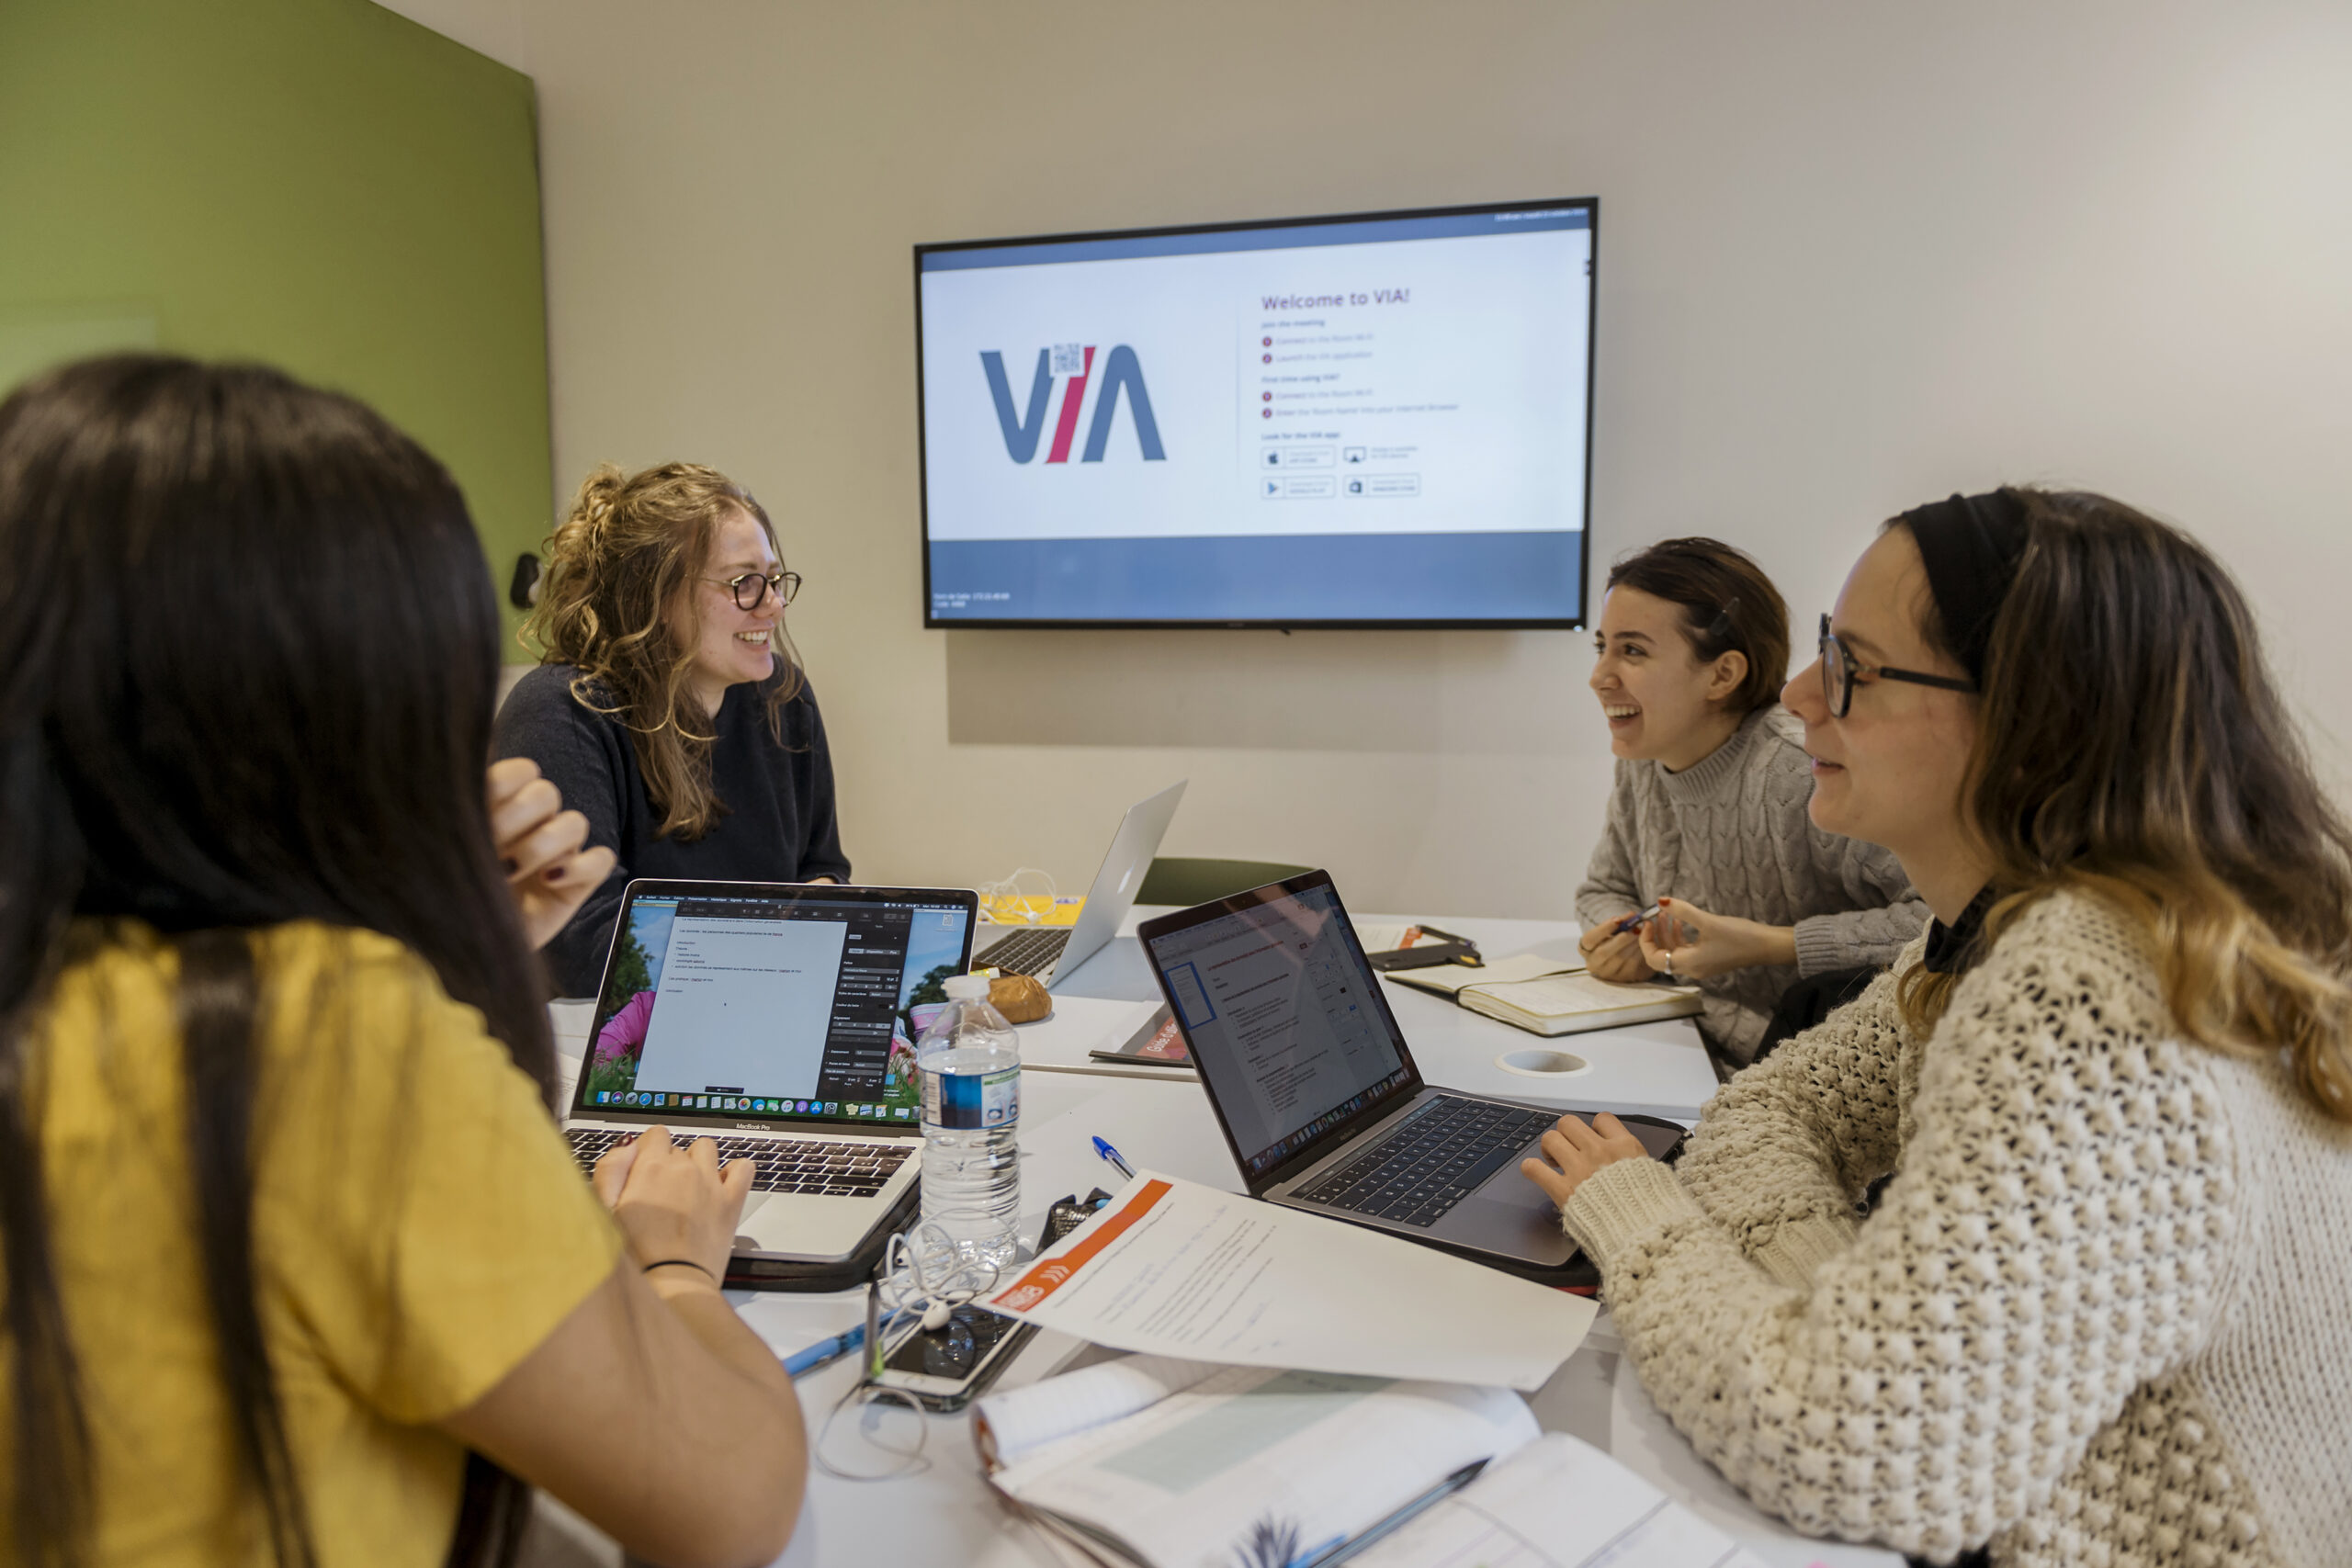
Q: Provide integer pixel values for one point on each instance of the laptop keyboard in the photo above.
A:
(1432, 1162)
(1024, 952)
(784, 1165)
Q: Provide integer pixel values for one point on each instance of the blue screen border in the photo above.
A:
(1123, 241)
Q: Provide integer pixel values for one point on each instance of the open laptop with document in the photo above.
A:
(1047, 952)
(777, 1019)
(1317, 1091)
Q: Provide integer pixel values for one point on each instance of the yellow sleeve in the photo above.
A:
(418, 1213)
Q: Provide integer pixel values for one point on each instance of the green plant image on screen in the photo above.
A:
(626, 1005)
(633, 970)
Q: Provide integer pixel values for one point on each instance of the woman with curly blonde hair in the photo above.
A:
(2096, 1313)
(672, 708)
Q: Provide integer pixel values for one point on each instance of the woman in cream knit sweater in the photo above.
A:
(2097, 1315)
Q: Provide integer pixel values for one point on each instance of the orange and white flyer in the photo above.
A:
(1175, 1269)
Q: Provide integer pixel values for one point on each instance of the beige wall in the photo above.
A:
(1853, 256)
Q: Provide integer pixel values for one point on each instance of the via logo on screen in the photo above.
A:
(1073, 365)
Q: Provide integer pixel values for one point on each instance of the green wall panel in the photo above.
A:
(319, 183)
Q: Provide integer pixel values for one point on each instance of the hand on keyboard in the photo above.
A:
(1572, 1151)
(817, 1167)
(673, 1201)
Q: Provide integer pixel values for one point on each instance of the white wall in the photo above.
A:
(1853, 256)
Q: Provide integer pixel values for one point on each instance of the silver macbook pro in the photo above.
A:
(1318, 1093)
(780, 1020)
(1049, 952)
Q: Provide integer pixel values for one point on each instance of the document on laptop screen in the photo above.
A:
(764, 1007)
(744, 1002)
(1282, 1018)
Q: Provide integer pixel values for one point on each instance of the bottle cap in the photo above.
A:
(968, 987)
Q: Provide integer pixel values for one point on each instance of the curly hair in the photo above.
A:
(2133, 745)
(619, 571)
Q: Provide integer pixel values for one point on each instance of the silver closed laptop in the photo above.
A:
(1051, 953)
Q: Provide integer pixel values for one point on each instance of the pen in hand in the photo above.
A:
(1630, 921)
(1103, 1147)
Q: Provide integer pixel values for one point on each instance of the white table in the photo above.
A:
(1652, 1069)
(945, 1514)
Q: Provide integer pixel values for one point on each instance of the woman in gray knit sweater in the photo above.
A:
(1707, 819)
(2098, 1315)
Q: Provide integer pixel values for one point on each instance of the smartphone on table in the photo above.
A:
(948, 1370)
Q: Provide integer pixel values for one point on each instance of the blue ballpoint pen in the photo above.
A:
(1103, 1147)
(824, 1352)
(1331, 1553)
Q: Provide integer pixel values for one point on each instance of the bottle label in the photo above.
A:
(972, 1101)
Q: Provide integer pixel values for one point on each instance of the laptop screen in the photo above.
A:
(757, 1003)
(1285, 1020)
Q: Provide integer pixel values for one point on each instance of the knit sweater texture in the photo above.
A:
(1730, 835)
(2098, 1317)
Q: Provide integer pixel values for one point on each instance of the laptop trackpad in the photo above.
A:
(1511, 1214)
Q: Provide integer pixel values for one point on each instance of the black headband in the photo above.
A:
(1971, 545)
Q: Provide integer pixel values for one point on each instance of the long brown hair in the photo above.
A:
(618, 569)
(2131, 745)
(1728, 605)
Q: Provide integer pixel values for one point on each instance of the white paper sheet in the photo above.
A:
(1012, 1423)
(1557, 1503)
(1173, 1268)
(1188, 1482)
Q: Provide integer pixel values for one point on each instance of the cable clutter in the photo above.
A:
(1007, 903)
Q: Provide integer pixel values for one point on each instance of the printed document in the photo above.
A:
(1174, 1268)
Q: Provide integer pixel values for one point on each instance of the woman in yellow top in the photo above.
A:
(298, 1268)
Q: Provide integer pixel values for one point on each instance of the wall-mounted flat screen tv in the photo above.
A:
(1380, 420)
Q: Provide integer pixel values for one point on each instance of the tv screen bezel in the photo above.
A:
(1577, 622)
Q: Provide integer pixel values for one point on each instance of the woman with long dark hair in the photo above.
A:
(673, 709)
(2096, 1315)
(297, 1267)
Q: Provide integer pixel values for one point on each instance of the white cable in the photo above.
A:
(926, 1276)
(1004, 902)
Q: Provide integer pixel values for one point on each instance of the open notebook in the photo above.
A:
(1167, 1464)
(1551, 996)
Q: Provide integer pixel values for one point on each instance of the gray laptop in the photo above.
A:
(1049, 952)
(1317, 1091)
(779, 1019)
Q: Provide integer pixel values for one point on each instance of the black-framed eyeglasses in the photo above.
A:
(1839, 668)
(753, 587)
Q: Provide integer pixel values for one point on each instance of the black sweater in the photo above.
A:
(777, 823)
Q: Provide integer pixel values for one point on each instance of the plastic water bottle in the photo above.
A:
(970, 1063)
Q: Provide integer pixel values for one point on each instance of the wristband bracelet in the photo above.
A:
(680, 1263)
